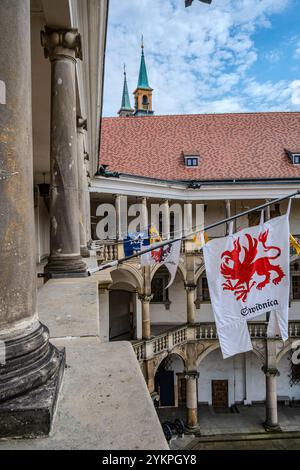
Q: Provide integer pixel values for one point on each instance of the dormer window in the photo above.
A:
(191, 160)
(296, 159)
(294, 156)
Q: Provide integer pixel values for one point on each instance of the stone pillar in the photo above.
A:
(150, 375)
(271, 422)
(267, 211)
(104, 312)
(166, 222)
(227, 213)
(28, 360)
(188, 217)
(83, 189)
(137, 312)
(88, 200)
(63, 47)
(146, 323)
(144, 214)
(120, 207)
(192, 398)
(190, 298)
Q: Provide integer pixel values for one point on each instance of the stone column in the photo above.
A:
(150, 375)
(166, 222)
(188, 217)
(83, 189)
(144, 214)
(28, 360)
(190, 298)
(267, 211)
(104, 312)
(192, 398)
(137, 311)
(227, 213)
(146, 323)
(271, 422)
(121, 206)
(63, 47)
(88, 200)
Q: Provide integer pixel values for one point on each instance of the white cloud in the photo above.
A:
(295, 92)
(198, 59)
(297, 50)
(273, 56)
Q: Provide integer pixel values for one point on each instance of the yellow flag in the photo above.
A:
(154, 235)
(294, 243)
(200, 238)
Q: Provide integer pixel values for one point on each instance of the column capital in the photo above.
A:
(81, 124)
(61, 43)
(270, 371)
(145, 297)
(190, 286)
(191, 375)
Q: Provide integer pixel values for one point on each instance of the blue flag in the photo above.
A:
(135, 242)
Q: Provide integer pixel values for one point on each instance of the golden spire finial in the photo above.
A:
(142, 41)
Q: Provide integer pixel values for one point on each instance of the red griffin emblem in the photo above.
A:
(160, 254)
(233, 269)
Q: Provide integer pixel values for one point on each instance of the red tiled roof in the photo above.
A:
(231, 146)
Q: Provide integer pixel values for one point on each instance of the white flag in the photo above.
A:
(172, 260)
(167, 255)
(248, 274)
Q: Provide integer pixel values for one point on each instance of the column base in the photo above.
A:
(32, 414)
(272, 427)
(64, 265)
(84, 252)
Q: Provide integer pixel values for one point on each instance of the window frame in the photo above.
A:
(295, 275)
(164, 277)
(191, 161)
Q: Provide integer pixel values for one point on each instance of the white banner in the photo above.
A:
(248, 274)
(167, 255)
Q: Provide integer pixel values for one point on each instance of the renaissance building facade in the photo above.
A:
(217, 165)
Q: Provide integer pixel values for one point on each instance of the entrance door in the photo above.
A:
(219, 393)
(164, 385)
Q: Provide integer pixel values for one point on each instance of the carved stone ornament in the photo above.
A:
(191, 375)
(61, 42)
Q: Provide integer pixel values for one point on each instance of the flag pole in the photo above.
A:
(207, 227)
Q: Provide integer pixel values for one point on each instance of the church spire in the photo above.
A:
(143, 92)
(125, 109)
(143, 77)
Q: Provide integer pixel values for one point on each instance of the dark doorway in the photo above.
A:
(164, 386)
(120, 315)
(219, 393)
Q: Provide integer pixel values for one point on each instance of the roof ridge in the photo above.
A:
(257, 113)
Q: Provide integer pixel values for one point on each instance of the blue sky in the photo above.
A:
(230, 56)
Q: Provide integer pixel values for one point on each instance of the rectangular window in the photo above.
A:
(191, 161)
(205, 290)
(158, 289)
(296, 159)
(296, 287)
(295, 374)
(160, 293)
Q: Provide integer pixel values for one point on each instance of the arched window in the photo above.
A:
(145, 100)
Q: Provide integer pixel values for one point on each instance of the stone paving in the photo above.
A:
(243, 424)
(285, 442)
